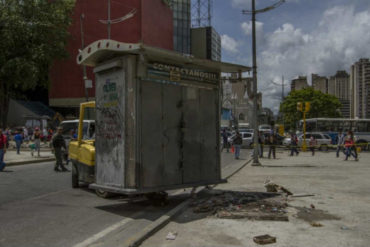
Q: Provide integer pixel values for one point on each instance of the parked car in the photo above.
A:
(265, 128)
(323, 140)
(242, 129)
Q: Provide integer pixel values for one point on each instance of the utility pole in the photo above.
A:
(282, 88)
(109, 20)
(82, 16)
(255, 120)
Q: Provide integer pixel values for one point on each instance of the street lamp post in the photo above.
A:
(255, 120)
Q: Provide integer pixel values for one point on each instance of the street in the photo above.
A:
(38, 207)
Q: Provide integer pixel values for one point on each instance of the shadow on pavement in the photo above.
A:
(6, 171)
(151, 209)
(279, 166)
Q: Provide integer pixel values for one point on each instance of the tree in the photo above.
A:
(33, 34)
(322, 105)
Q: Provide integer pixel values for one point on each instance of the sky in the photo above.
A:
(300, 37)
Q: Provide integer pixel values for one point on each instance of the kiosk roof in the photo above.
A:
(103, 50)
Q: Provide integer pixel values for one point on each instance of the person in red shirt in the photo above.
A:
(2, 149)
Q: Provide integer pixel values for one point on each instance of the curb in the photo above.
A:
(148, 231)
(237, 169)
(25, 162)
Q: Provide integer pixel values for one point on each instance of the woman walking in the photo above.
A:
(350, 146)
(37, 140)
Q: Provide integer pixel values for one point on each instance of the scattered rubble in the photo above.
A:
(272, 187)
(264, 239)
(312, 214)
(316, 224)
(302, 195)
(238, 205)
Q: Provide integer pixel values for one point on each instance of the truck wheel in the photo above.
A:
(75, 183)
(103, 194)
(158, 198)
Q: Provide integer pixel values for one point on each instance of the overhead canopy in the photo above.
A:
(102, 50)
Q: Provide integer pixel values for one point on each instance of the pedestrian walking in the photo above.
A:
(58, 143)
(3, 141)
(293, 145)
(312, 144)
(225, 141)
(36, 138)
(238, 141)
(272, 145)
(18, 141)
(7, 134)
(340, 143)
(25, 134)
(44, 134)
(350, 146)
(261, 141)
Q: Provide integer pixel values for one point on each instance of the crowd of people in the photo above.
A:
(36, 136)
(345, 143)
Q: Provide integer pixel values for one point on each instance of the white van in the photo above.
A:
(70, 130)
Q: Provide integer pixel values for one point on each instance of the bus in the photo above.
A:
(331, 126)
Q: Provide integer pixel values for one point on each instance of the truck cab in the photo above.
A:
(82, 149)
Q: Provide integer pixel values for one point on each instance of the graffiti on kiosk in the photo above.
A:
(110, 93)
(110, 122)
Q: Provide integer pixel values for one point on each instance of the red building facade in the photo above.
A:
(151, 24)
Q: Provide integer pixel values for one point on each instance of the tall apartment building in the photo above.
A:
(360, 89)
(206, 43)
(320, 83)
(181, 25)
(299, 83)
(338, 85)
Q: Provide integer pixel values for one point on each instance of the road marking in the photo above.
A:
(108, 230)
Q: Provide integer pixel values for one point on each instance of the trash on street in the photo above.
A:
(264, 239)
(171, 236)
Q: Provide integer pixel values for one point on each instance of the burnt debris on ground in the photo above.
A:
(238, 205)
(312, 214)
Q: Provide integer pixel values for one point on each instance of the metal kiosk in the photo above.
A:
(157, 117)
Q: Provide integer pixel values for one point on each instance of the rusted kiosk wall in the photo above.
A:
(157, 120)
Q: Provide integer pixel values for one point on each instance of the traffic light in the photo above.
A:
(299, 106)
(307, 106)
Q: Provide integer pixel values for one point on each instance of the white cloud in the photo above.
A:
(247, 28)
(229, 44)
(341, 38)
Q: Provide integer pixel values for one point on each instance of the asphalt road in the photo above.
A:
(38, 207)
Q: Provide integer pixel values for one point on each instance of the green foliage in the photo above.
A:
(322, 105)
(33, 34)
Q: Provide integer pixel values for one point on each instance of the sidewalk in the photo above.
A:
(336, 215)
(12, 158)
(44, 146)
